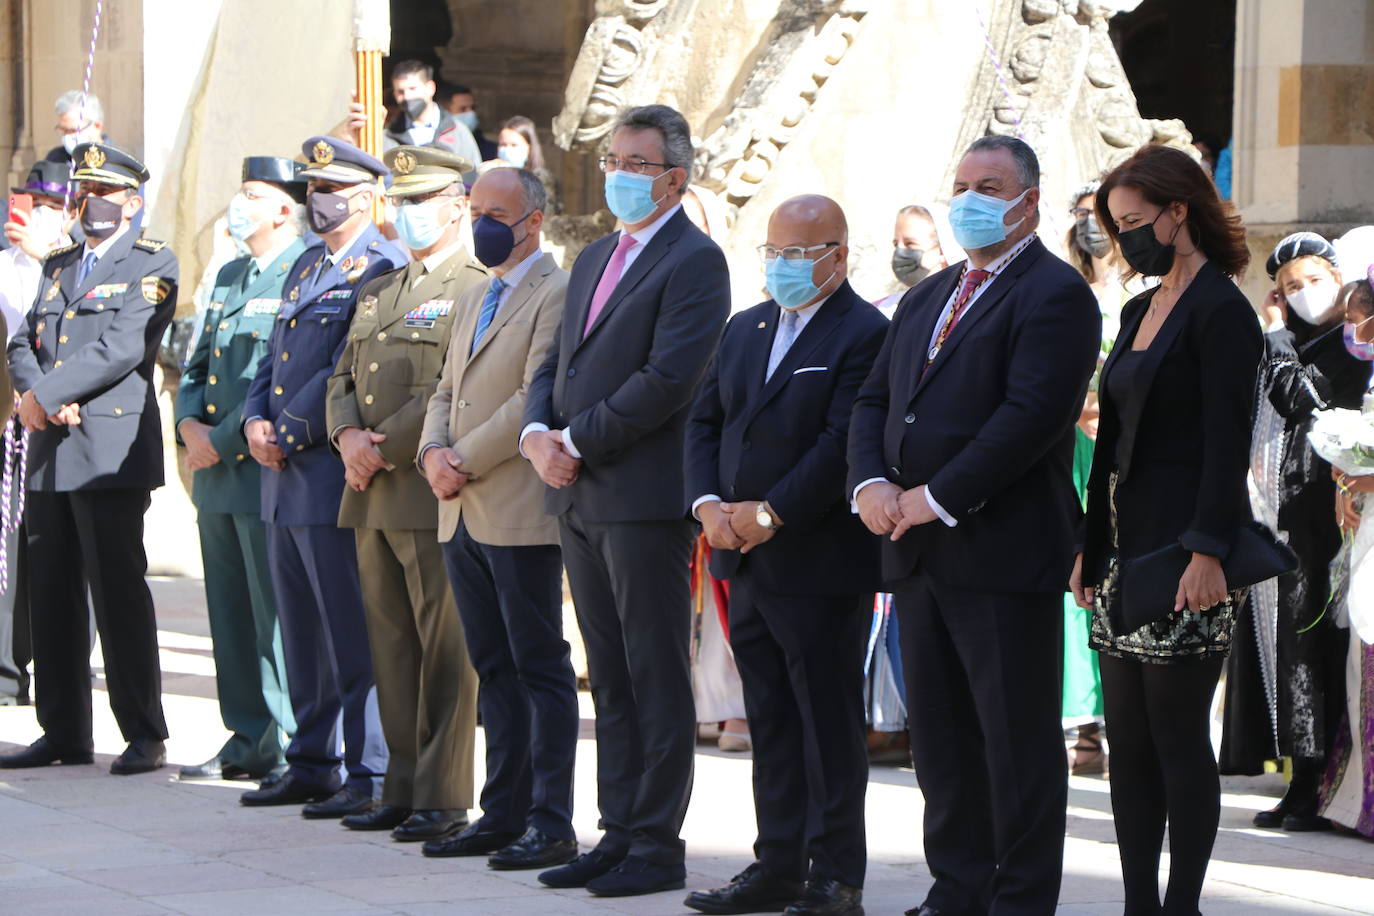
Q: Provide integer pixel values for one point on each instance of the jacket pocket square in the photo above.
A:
(812, 369)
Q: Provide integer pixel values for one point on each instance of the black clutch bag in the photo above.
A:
(1149, 583)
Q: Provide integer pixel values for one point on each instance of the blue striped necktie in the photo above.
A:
(87, 265)
(489, 304)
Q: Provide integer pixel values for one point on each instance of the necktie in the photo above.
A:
(973, 279)
(87, 265)
(253, 274)
(489, 304)
(609, 278)
(787, 334)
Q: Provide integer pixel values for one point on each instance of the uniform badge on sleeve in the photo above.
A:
(156, 289)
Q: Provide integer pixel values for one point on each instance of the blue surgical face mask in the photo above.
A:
(790, 283)
(977, 219)
(630, 196)
(515, 155)
(418, 224)
(241, 222)
(468, 119)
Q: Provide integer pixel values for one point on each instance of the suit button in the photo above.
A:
(462, 404)
(120, 410)
(896, 471)
(70, 314)
(414, 335)
(238, 457)
(571, 373)
(223, 325)
(372, 368)
(209, 408)
(214, 380)
(282, 427)
(62, 339)
(217, 353)
(285, 356)
(910, 418)
(368, 400)
(293, 323)
(290, 439)
(279, 391)
(255, 335)
(300, 448)
(381, 335)
(56, 364)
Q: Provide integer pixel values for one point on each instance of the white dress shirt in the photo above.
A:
(642, 238)
(20, 276)
(995, 268)
(804, 315)
(264, 260)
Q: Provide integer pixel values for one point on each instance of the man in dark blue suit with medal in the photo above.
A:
(313, 561)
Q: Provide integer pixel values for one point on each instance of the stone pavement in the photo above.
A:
(77, 840)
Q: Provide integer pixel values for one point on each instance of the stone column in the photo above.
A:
(1304, 120)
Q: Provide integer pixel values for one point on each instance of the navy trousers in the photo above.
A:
(328, 662)
(510, 600)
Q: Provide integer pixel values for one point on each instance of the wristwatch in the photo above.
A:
(764, 518)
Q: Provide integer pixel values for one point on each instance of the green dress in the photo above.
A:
(1082, 682)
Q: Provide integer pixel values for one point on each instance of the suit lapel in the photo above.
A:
(583, 307)
(653, 252)
(817, 330)
(995, 293)
(395, 306)
(519, 298)
(924, 326)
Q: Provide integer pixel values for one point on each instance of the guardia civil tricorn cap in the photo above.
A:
(108, 165)
(417, 170)
(331, 159)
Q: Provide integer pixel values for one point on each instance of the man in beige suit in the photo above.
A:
(501, 548)
(375, 409)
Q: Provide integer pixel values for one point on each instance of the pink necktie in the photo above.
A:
(609, 278)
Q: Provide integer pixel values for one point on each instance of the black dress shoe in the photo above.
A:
(346, 801)
(1305, 823)
(635, 876)
(828, 897)
(586, 867)
(430, 824)
(474, 841)
(214, 768)
(44, 753)
(534, 849)
(378, 817)
(754, 890)
(1271, 819)
(141, 756)
(283, 790)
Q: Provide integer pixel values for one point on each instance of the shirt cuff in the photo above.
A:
(709, 497)
(530, 428)
(854, 497)
(1273, 326)
(568, 444)
(334, 436)
(939, 510)
(424, 450)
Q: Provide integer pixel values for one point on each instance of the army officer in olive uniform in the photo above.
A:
(85, 367)
(314, 564)
(426, 689)
(250, 671)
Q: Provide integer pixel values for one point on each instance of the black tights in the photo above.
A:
(1162, 769)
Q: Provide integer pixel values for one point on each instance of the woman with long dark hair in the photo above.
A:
(1169, 469)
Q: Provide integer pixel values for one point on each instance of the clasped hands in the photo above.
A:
(262, 444)
(442, 466)
(200, 451)
(34, 417)
(361, 457)
(733, 526)
(552, 461)
(886, 508)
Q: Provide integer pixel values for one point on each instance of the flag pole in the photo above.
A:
(371, 40)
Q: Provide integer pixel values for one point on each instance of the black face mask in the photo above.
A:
(415, 107)
(493, 240)
(100, 218)
(906, 264)
(326, 212)
(1146, 254)
(1090, 238)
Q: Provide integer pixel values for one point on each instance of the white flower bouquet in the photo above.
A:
(1345, 438)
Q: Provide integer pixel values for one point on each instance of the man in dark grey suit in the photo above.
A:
(604, 427)
(85, 367)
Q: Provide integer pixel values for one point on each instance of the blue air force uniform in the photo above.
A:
(313, 561)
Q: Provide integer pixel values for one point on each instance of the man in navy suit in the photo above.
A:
(960, 451)
(604, 427)
(314, 563)
(766, 461)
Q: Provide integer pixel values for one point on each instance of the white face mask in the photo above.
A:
(1314, 303)
(45, 225)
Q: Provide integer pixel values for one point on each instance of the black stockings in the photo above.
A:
(1163, 770)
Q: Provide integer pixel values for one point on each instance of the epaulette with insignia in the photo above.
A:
(54, 253)
(150, 245)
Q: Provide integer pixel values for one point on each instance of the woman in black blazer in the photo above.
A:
(1169, 468)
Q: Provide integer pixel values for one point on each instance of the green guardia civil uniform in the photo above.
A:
(250, 669)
